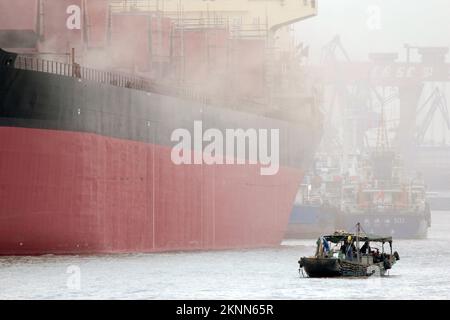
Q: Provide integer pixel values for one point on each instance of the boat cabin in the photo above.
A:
(366, 249)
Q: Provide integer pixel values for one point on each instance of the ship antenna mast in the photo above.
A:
(358, 230)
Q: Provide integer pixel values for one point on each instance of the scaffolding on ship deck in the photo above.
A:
(171, 64)
(222, 60)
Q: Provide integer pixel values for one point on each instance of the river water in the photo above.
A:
(422, 273)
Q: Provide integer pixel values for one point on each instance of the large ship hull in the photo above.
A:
(401, 226)
(86, 167)
(311, 221)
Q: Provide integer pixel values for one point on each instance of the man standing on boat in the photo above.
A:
(365, 249)
(350, 248)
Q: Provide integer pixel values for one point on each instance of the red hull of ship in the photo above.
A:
(73, 193)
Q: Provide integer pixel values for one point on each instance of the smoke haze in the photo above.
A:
(377, 25)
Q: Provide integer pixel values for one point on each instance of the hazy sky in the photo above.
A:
(381, 26)
(377, 25)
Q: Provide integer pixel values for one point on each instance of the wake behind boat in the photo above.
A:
(340, 255)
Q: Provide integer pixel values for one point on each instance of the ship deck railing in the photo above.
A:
(376, 208)
(107, 77)
(135, 5)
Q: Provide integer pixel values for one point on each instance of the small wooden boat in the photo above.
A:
(340, 255)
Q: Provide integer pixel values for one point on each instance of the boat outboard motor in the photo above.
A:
(396, 255)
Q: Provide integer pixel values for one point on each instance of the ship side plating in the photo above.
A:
(89, 106)
(86, 167)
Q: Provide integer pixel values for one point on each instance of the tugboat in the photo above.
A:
(340, 255)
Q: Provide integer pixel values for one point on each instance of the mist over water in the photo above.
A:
(422, 273)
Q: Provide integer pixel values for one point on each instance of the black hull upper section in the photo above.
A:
(32, 99)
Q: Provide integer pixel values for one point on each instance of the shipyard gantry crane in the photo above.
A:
(405, 80)
(434, 103)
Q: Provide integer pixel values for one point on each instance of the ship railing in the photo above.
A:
(106, 77)
(385, 206)
(135, 5)
(258, 30)
(77, 71)
(213, 23)
(250, 33)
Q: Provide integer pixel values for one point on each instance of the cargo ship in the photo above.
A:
(386, 200)
(378, 192)
(92, 94)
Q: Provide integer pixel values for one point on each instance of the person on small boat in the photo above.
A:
(349, 248)
(323, 248)
(365, 249)
(344, 248)
(376, 255)
(326, 246)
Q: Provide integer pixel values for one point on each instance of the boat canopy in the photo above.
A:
(338, 237)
